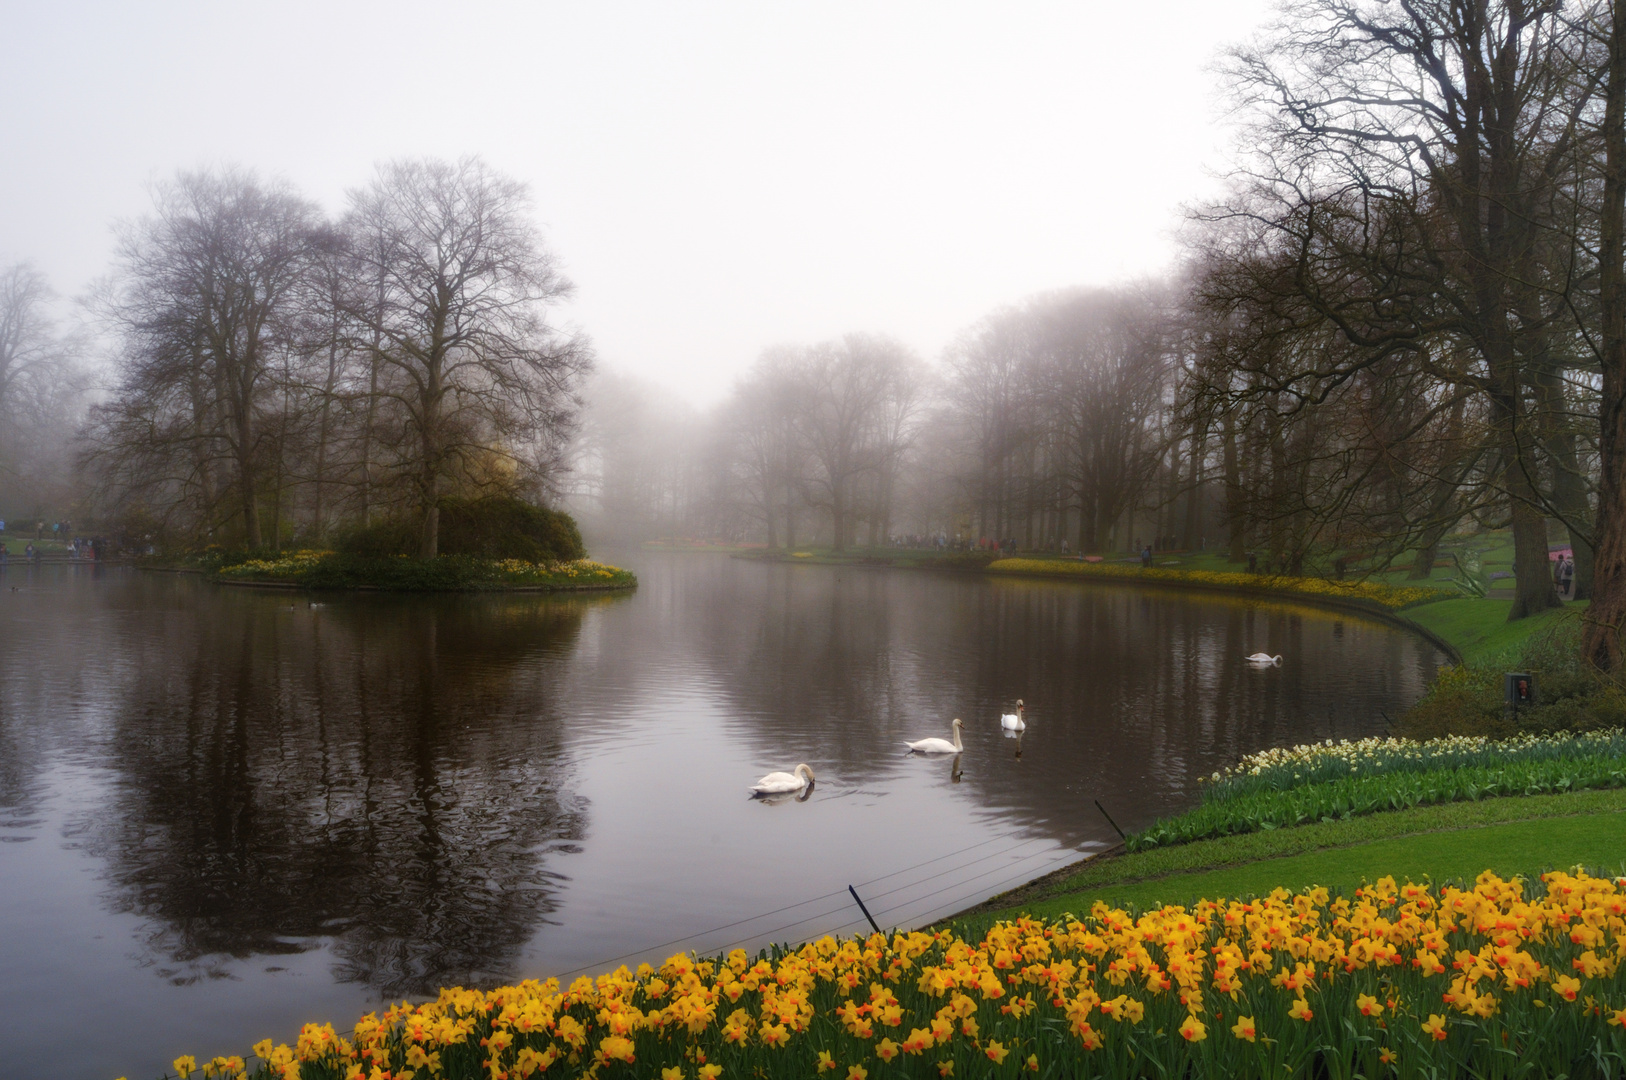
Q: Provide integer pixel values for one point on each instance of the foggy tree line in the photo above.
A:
(1402, 318)
(280, 373)
(1046, 424)
(44, 384)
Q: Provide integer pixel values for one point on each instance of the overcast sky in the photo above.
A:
(716, 177)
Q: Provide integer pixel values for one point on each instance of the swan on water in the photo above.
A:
(938, 746)
(1012, 721)
(778, 783)
(1264, 658)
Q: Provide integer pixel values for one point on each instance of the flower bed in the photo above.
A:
(1330, 781)
(331, 570)
(1285, 768)
(1389, 597)
(1405, 981)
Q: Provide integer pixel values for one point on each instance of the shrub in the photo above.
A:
(494, 527)
(1571, 695)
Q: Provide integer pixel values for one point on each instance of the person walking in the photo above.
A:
(1568, 578)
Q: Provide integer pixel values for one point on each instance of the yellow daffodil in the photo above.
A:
(1244, 1028)
(1193, 1030)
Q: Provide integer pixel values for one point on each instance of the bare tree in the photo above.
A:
(843, 388)
(463, 283)
(1601, 643)
(205, 300)
(1446, 123)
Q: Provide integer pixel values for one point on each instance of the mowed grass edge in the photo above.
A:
(1515, 835)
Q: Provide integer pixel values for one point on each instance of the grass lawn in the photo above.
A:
(1479, 628)
(1455, 841)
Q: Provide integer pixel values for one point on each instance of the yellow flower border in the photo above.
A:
(1442, 980)
(1392, 597)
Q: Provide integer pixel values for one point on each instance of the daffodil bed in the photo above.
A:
(334, 570)
(1504, 978)
(1369, 593)
(1331, 781)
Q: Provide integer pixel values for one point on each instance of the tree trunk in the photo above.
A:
(1533, 590)
(429, 481)
(1569, 487)
(1600, 642)
(1192, 529)
(247, 479)
(1235, 524)
(318, 510)
(838, 518)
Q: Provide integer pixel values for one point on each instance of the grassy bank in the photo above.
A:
(1520, 835)
(1478, 628)
(449, 573)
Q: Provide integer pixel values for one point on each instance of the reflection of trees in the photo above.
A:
(1133, 696)
(383, 772)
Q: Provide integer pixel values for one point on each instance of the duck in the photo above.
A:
(779, 783)
(938, 746)
(1012, 721)
(1264, 658)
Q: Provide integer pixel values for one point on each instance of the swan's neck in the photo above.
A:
(957, 746)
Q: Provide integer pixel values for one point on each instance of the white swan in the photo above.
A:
(1264, 658)
(1012, 721)
(938, 746)
(778, 783)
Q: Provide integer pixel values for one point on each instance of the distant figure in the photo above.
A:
(30, 554)
(1146, 555)
(1567, 587)
(1338, 567)
(1253, 563)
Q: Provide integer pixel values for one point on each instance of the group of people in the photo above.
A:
(1564, 575)
(77, 549)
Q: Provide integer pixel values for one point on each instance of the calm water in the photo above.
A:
(224, 812)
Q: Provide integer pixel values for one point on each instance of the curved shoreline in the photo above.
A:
(617, 587)
(215, 578)
(1167, 579)
(1350, 604)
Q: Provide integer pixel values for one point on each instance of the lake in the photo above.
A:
(226, 812)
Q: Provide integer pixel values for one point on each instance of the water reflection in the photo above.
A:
(295, 812)
(1129, 695)
(388, 776)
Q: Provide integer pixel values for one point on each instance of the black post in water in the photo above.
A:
(864, 909)
(1108, 816)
